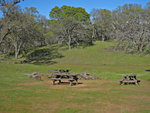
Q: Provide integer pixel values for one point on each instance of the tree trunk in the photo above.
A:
(69, 42)
(141, 48)
(141, 45)
(103, 38)
(16, 55)
(3, 37)
(93, 32)
(142, 38)
(17, 49)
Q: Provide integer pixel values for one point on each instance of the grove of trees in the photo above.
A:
(22, 30)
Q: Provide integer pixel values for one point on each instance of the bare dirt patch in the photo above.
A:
(30, 83)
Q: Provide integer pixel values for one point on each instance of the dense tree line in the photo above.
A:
(128, 25)
(132, 27)
(21, 30)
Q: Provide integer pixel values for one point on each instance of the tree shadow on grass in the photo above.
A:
(43, 55)
(148, 70)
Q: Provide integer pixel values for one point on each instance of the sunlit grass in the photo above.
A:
(21, 94)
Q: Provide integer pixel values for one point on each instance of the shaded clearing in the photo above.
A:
(43, 55)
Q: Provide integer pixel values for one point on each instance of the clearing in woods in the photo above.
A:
(21, 94)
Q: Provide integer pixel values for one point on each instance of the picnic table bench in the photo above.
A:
(64, 74)
(129, 79)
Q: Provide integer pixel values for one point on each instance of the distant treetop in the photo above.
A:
(77, 13)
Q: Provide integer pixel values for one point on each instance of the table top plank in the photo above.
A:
(60, 79)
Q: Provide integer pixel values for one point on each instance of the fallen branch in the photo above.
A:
(37, 75)
(87, 76)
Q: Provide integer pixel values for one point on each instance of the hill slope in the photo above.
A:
(100, 54)
(101, 60)
(21, 94)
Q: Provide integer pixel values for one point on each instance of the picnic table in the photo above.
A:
(63, 74)
(130, 79)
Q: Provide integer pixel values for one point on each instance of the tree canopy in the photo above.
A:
(67, 11)
(22, 30)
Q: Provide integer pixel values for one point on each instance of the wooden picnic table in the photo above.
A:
(130, 79)
(64, 74)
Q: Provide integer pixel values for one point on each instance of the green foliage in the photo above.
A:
(20, 29)
(66, 11)
(131, 27)
(102, 24)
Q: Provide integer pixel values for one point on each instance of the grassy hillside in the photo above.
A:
(20, 94)
(100, 60)
(101, 54)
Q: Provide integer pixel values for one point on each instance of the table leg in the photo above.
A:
(59, 81)
(53, 82)
(76, 81)
(70, 83)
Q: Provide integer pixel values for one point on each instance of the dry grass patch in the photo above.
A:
(30, 83)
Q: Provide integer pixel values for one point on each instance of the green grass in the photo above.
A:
(20, 94)
(99, 60)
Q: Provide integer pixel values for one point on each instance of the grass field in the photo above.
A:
(20, 94)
